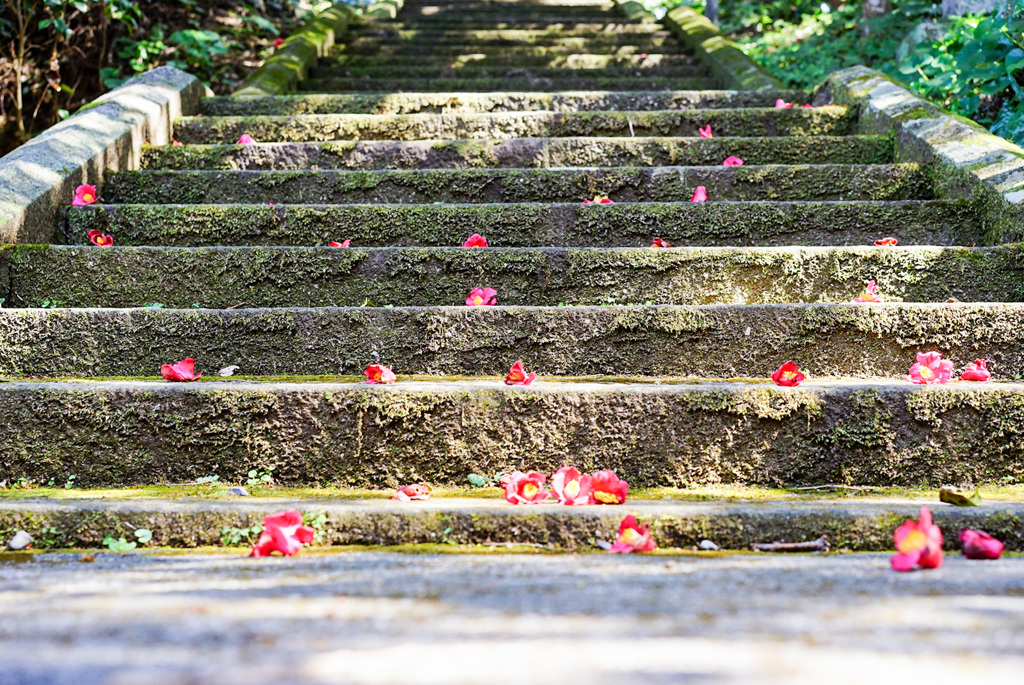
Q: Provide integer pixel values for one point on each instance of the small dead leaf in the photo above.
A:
(87, 558)
(958, 499)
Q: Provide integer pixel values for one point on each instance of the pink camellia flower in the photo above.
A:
(246, 139)
(732, 160)
(658, 242)
(176, 143)
(182, 371)
(643, 55)
(918, 543)
(980, 545)
(282, 532)
(376, 373)
(886, 242)
(100, 239)
(524, 488)
(870, 294)
(335, 243)
(608, 488)
(415, 492)
(599, 200)
(517, 375)
(976, 371)
(930, 368)
(571, 487)
(706, 132)
(84, 195)
(278, 43)
(700, 195)
(482, 297)
(633, 537)
(475, 240)
(782, 104)
(788, 375)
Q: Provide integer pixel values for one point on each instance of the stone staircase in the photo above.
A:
(500, 118)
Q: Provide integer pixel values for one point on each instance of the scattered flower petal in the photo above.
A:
(976, 371)
(706, 132)
(788, 375)
(475, 240)
(870, 294)
(334, 243)
(599, 200)
(84, 195)
(918, 543)
(886, 242)
(415, 492)
(284, 533)
(571, 487)
(980, 545)
(608, 488)
(228, 370)
(930, 368)
(633, 537)
(176, 143)
(482, 297)
(100, 239)
(517, 375)
(524, 488)
(182, 371)
(732, 160)
(782, 104)
(376, 373)
(700, 195)
(246, 139)
(658, 242)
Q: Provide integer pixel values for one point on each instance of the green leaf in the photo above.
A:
(957, 499)
(143, 535)
(476, 480)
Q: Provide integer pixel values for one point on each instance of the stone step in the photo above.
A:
(219, 277)
(111, 433)
(511, 83)
(596, 23)
(415, 103)
(574, 46)
(200, 515)
(614, 34)
(498, 40)
(523, 152)
(938, 222)
(480, 59)
(622, 184)
(503, 71)
(752, 122)
(662, 342)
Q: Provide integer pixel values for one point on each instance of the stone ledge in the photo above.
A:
(41, 175)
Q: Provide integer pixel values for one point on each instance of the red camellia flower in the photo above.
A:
(599, 200)
(246, 139)
(482, 297)
(375, 373)
(84, 195)
(706, 132)
(278, 43)
(980, 545)
(571, 487)
(517, 375)
(475, 240)
(976, 371)
(782, 104)
(608, 488)
(930, 368)
(100, 239)
(176, 143)
(182, 371)
(732, 161)
(409, 493)
(700, 195)
(658, 242)
(334, 243)
(886, 242)
(789, 375)
(918, 543)
(870, 294)
(524, 488)
(282, 532)
(633, 537)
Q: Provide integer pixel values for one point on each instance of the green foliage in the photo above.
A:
(232, 536)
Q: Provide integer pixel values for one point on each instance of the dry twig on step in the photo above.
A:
(819, 545)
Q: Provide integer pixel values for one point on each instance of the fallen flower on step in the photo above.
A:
(930, 368)
(706, 132)
(182, 371)
(658, 242)
(976, 371)
(870, 294)
(475, 240)
(571, 487)
(782, 104)
(414, 492)
(700, 195)
(517, 375)
(334, 243)
(788, 375)
(918, 543)
(980, 545)
(375, 373)
(84, 195)
(278, 43)
(482, 297)
(608, 488)
(599, 200)
(524, 488)
(886, 242)
(176, 143)
(732, 161)
(246, 139)
(100, 239)
(633, 537)
(284, 533)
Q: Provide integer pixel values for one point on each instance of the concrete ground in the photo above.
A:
(375, 617)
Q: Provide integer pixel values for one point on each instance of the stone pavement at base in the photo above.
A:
(390, 618)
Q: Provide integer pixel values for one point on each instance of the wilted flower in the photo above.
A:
(517, 375)
(185, 370)
(84, 195)
(608, 488)
(706, 132)
(282, 532)
(524, 488)
(918, 543)
(599, 200)
(980, 545)
(482, 297)
(633, 537)
(658, 242)
(571, 487)
(789, 375)
(475, 240)
(100, 239)
(886, 242)
(930, 368)
(870, 294)
(334, 243)
(246, 139)
(408, 493)
(700, 195)
(376, 373)
(976, 371)
(732, 161)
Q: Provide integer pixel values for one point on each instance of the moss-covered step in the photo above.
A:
(198, 519)
(219, 277)
(523, 152)
(470, 59)
(618, 33)
(511, 83)
(640, 42)
(718, 341)
(368, 48)
(622, 184)
(939, 222)
(414, 103)
(487, 71)
(864, 433)
(296, 128)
